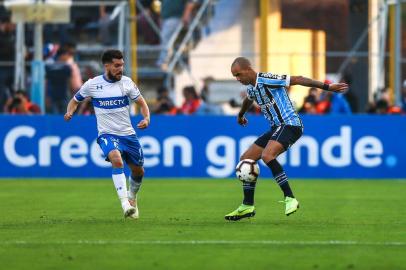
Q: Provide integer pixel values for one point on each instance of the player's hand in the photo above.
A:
(242, 121)
(144, 123)
(67, 116)
(338, 87)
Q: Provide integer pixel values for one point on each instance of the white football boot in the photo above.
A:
(128, 209)
(132, 199)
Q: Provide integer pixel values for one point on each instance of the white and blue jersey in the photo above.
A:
(270, 94)
(111, 102)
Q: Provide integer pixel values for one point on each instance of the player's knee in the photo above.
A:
(117, 163)
(267, 156)
(138, 171)
(243, 156)
(247, 156)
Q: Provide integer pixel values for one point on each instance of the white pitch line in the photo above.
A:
(205, 242)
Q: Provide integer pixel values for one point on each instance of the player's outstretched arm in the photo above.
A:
(144, 123)
(246, 104)
(70, 110)
(334, 87)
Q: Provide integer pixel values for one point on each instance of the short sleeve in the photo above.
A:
(133, 91)
(83, 92)
(274, 79)
(250, 93)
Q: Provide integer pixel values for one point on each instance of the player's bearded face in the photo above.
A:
(115, 69)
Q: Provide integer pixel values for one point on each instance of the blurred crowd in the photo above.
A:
(317, 102)
(156, 22)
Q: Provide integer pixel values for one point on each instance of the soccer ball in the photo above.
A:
(247, 170)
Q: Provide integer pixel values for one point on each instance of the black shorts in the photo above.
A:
(284, 134)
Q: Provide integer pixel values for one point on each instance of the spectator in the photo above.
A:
(192, 100)
(76, 78)
(385, 94)
(86, 107)
(382, 106)
(349, 95)
(333, 103)
(104, 26)
(57, 33)
(206, 105)
(173, 13)
(204, 93)
(58, 86)
(310, 102)
(7, 54)
(147, 34)
(164, 104)
(50, 51)
(232, 107)
(21, 104)
(338, 104)
(403, 101)
(5, 96)
(371, 107)
(324, 104)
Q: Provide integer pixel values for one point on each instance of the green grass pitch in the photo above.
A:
(78, 224)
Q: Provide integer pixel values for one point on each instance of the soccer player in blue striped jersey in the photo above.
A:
(269, 92)
(111, 94)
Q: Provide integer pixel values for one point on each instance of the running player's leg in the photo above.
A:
(272, 150)
(134, 158)
(111, 149)
(135, 181)
(247, 209)
(120, 182)
(253, 152)
(282, 138)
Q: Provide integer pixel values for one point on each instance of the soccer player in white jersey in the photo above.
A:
(111, 94)
(269, 92)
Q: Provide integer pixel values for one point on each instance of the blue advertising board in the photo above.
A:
(362, 146)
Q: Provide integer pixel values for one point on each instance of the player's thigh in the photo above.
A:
(272, 150)
(132, 153)
(110, 145)
(253, 152)
(115, 158)
(287, 135)
(281, 139)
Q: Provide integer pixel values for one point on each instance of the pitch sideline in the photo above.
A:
(204, 242)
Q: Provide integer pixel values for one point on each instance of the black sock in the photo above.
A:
(280, 177)
(249, 190)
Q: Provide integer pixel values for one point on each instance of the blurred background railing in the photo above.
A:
(184, 51)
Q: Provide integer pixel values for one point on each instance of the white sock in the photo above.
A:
(120, 183)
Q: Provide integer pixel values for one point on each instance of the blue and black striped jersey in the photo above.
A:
(271, 95)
